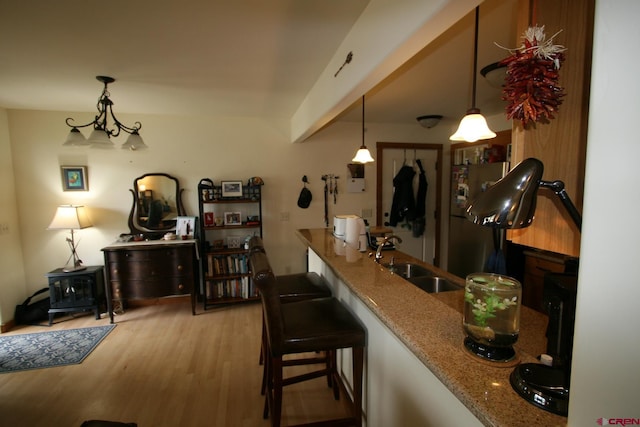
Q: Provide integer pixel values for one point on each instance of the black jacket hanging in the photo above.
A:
(419, 223)
(403, 204)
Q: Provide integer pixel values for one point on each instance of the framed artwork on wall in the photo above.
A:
(74, 178)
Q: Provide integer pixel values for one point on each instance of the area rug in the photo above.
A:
(48, 349)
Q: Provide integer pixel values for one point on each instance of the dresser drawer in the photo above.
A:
(139, 289)
(142, 270)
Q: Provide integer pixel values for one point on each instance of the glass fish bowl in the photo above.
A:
(491, 316)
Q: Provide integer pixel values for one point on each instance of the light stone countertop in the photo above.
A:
(430, 325)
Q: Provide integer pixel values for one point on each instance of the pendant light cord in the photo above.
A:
(363, 120)
(475, 59)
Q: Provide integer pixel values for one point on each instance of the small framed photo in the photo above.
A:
(74, 178)
(185, 226)
(209, 219)
(232, 218)
(234, 242)
(231, 188)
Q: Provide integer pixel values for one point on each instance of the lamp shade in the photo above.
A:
(134, 142)
(75, 137)
(473, 127)
(363, 155)
(510, 202)
(99, 138)
(69, 217)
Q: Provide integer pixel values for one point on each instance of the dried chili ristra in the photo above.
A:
(531, 86)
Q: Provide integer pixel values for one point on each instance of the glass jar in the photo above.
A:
(491, 317)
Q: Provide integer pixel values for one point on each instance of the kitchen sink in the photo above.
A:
(434, 284)
(408, 270)
(422, 277)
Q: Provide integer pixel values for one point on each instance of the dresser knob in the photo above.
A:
(179, 267)
(180, 286)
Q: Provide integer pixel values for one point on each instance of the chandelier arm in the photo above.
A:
(120, 126)
(78, 126)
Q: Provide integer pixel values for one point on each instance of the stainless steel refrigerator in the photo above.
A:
(470, 245)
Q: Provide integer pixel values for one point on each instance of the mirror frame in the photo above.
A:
(134, 226)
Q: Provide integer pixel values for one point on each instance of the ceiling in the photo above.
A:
(241, 57)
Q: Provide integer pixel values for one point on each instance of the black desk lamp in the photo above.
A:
(511, 203)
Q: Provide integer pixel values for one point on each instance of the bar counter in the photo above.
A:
(430, 327)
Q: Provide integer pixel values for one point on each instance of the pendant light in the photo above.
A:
(362, 155)
(473, 125)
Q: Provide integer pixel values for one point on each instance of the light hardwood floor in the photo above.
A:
(161, 366)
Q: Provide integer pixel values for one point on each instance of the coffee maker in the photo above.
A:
(546, 384)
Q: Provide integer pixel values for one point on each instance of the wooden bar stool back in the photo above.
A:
(322, 324)
(292, 288)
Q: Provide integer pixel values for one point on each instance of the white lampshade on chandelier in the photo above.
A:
(101, 135)
(473, 125)
(363, 155)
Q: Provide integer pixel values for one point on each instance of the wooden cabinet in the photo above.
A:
(536, 266)
(154, 269)
(561, 143)
(227, 222)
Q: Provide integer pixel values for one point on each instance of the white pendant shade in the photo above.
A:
(134, 142)
(100, 139)
(75, 137)
(362, 156)
(473, 127)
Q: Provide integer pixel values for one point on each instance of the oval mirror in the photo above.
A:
(156, 204)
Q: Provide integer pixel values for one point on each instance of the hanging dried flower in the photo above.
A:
(531, 86)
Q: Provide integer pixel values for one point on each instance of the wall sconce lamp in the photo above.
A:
(362, 155)
(101, 134)
(473, 125)
(511, 203)
(69, 217)
(429, 121)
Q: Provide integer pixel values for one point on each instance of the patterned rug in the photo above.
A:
(48, 349)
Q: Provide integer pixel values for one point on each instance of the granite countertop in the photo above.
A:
(430, 325)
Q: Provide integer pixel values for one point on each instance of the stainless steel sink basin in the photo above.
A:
(408, 270)
(434, 284)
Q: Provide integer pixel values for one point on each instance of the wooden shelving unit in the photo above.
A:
(225, 225)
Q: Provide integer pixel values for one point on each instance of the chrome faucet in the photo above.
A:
(381, 245)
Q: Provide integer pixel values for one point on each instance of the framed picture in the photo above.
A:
(234, 242)
(74, 178)
(232, 218)
(185, 225)
(231, 188)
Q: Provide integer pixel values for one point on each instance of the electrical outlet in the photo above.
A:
(366, 213)
(284, 216)
(4, 228)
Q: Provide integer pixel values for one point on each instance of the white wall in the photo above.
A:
(605, 375)
(189, 148)
(12, 280)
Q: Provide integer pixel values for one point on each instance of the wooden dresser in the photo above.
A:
(151, 269)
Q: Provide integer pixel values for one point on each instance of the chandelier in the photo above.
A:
(101, 134)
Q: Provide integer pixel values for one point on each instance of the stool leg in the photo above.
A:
(333, 373)
(275, 392)
(358, 362)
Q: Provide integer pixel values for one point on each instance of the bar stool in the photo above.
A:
(321, 324)
(292, 288)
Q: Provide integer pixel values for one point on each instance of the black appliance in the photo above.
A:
(548, 386)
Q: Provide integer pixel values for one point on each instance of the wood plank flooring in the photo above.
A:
(161, 366)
